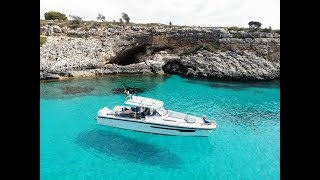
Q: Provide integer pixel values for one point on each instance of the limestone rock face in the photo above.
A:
(43, 30)
(56, 29)
(78, 52)
(50, 31)
(231, 65)
(46, 76)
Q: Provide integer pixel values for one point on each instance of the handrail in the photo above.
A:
(215, 123)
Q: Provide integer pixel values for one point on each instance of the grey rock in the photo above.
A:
(76, 53)
(57, 29)
(46, 76)
(50, 31)
(43, 30)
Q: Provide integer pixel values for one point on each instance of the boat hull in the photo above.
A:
(143, 126)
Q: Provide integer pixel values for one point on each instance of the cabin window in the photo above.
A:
(156, 113)
(162, 111)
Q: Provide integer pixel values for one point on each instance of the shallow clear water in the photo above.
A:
(245, 146)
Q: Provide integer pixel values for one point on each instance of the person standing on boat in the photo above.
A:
(205, 121)
(127, 94)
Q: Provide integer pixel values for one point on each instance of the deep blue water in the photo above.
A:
(245, 146)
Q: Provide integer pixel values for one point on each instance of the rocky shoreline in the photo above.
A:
(159, 50)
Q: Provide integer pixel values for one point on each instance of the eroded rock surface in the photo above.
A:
(99, 51)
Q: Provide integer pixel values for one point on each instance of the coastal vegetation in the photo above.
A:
(43, 40)
(235, 28)
(126, 17)
(76, 22)
(101, 17)
(266, 30)
(237, 35)
(276, 31)
(209, 47)
(60, 19)
(254, 25)
(52, 15)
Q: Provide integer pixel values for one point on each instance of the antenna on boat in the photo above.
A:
(125, 89)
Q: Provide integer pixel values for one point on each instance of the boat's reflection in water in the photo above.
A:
(115, 144)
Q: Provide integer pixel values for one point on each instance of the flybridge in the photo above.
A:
(144, 102)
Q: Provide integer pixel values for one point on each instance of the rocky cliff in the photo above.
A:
(209, 52)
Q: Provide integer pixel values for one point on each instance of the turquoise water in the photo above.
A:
(246, 146)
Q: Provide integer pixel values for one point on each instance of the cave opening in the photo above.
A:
(129, 55)
(132, 55)
(175, 67)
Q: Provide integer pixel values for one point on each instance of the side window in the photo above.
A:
(156, 113)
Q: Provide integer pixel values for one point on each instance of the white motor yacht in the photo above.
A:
(148, 115)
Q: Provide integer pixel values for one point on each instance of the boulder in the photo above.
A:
(56, 29)
(50, 31)
(43, 30)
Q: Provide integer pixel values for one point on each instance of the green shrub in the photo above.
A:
(52, 15)
(109, 25)
(95, 25)
(43, 40)
(208, 47)
(237, 35)
(234, 28)
(51, 23)
(254, 25)
(43, 22)
(74, 24)
(276, 31)
(267, 30)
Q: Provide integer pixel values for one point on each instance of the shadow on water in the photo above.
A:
(111, 143)
(236, 85)
(98, 86)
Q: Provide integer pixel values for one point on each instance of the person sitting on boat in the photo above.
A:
(205, 121)
(147, 111)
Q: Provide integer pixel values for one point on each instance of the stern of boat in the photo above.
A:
(102, 112)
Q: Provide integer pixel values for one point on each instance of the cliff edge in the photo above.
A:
(190, 51)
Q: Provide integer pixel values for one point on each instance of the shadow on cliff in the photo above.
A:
(114, 144)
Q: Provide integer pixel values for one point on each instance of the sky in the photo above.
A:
(213, 13)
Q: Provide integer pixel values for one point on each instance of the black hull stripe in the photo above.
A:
(156, 124)
(181, 130)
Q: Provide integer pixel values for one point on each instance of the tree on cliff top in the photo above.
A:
(170, 24)
(126, 17)
(121, 21)
(254, 25)
(75, 18)
(52, 15)
(75, 23)
(101, 17)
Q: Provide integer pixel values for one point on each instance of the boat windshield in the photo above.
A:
(162, 111)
